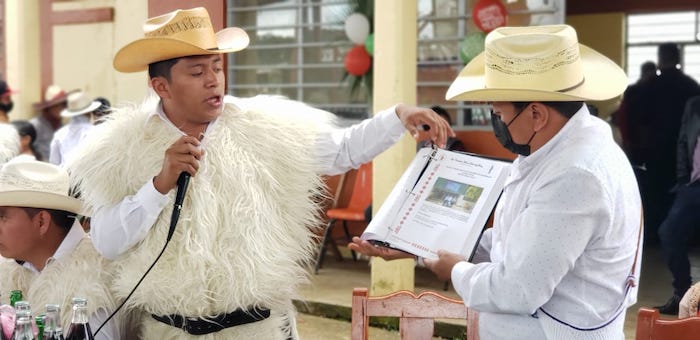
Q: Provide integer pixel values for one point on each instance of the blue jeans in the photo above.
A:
(676, 231)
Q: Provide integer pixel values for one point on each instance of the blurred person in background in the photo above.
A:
(27, 137)
(9, 143)
(663, 106)
(48, 120)
(79, 109)
(6, 103)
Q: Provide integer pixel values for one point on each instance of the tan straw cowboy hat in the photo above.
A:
(537, 63)
(79, 103)
(35, 184)
(181, 33)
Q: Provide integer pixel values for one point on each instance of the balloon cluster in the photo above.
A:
(358, 60)
(487, 15)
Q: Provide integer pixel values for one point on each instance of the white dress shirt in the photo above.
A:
(76, 233)
(123, 225)
(67, 138)
(563, 240)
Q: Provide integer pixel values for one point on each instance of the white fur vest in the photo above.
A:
(245, 231)
(82, 273)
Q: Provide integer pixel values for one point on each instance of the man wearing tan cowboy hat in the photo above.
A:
(67, 138)
(46, 253)
(235, 259)
(48, 118)
(564, 253)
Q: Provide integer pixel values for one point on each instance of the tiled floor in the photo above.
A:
(335, 281)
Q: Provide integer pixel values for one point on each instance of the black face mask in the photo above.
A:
(500, 129)
(7, 107)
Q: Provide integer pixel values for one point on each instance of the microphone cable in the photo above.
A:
(182, 183)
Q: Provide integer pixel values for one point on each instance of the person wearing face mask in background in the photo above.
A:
(6, 103)
(563, 256)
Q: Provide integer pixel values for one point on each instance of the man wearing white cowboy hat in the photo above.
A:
(46, 253)
(67, 138)
(563, 256)
(246, 227)
(48, 118)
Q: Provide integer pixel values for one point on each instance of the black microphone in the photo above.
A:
(182, 183)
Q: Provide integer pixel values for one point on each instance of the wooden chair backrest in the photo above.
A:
(651, 327)
(416, 313)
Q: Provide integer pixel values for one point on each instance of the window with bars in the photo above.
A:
(298, 46)
(646, 31)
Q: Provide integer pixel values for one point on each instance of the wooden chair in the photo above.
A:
(650, 327)
(360, 199)
(416, 313)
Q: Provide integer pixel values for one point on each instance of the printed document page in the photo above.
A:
(447, 208)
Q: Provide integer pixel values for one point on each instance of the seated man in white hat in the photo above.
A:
(236, 258)
(68, 137)
(46, 254)
(9, 143)
(564, 253)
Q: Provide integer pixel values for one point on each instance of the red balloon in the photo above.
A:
(489, 15)
(357, 61)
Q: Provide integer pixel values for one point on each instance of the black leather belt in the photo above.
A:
(198, 326)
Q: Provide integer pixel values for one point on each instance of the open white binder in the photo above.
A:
(442, 201)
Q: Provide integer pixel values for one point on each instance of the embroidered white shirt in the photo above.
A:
(564, 239)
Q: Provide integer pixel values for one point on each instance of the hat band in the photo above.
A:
(573, 87)
(184, 24)
(13, 183)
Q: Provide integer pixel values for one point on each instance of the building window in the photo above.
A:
(646, 31)
(298, 46)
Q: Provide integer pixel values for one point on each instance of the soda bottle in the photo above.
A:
(23, 326)
(39, 321)
(52, 323)
(79, 326)
(15, 295)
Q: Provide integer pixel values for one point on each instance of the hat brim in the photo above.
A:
(137, 55)
(56, 101)
(603, 80)
(42, 200)
(92, 107)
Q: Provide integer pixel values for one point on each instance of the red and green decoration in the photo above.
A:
(487, 15)
(358, 60)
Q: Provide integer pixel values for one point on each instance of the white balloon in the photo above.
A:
(357, 28)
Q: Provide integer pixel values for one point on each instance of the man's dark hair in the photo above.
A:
(648, 66)
(567, 109)
(161, 68)
(443, 113)
(669, 55)
(63, 219)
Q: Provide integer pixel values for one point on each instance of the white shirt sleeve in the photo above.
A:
(117, 228)
(54, 155)
(340, 150)
(544, 242)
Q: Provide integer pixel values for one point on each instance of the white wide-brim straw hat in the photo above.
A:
(181, 33)
(537, 63)
(79, 103)
(35, 184)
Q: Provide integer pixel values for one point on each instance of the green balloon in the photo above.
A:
(471, 46)
(369, 44)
